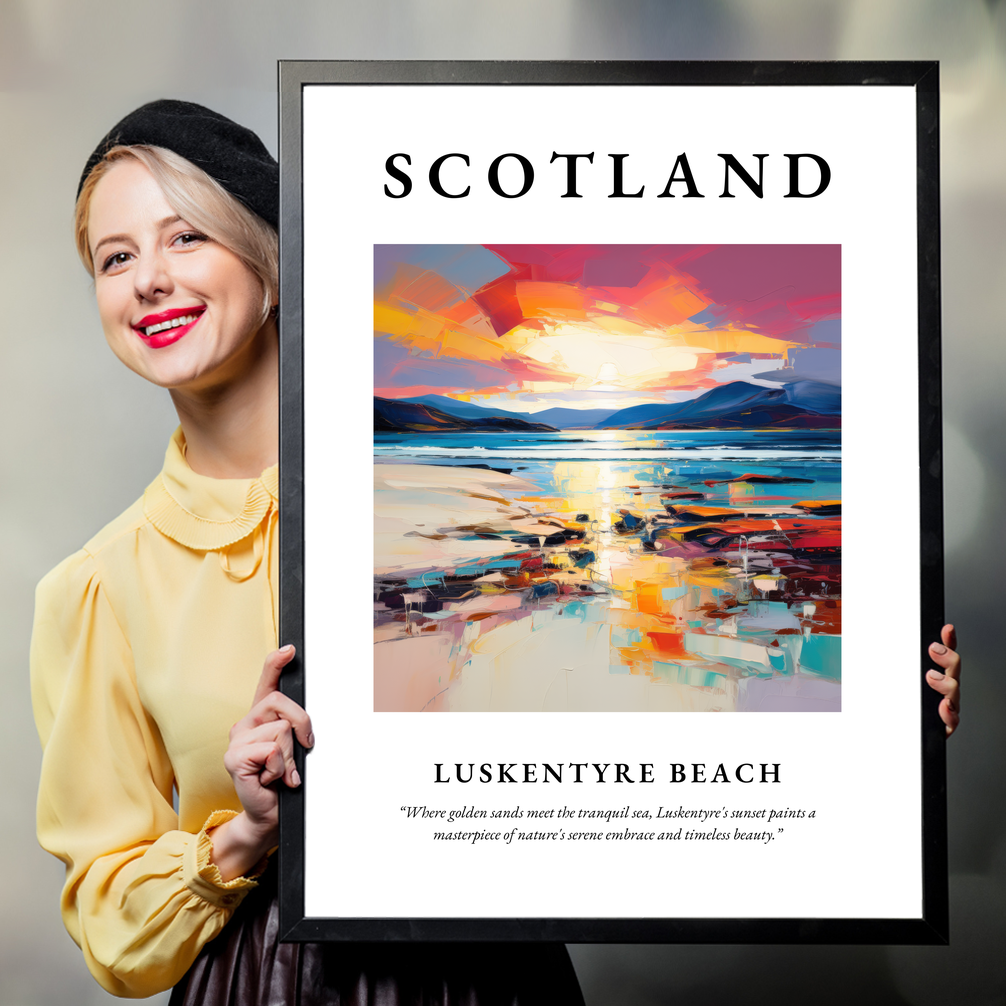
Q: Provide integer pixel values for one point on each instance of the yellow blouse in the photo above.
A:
(147, 647)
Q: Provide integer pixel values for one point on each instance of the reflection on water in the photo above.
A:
(615, 569)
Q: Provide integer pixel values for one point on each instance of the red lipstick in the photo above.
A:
(166, 327)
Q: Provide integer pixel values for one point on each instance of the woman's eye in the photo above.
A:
(114, 261)
(190, 238)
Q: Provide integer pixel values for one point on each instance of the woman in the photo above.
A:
(148, 643)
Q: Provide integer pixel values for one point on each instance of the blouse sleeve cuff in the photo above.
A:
(202, 876)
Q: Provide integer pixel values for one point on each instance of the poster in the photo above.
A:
(612, 617)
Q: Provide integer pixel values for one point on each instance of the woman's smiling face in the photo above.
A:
(177, 308)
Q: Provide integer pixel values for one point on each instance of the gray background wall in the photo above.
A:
(81, 436)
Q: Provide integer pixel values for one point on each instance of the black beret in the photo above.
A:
(231, 154)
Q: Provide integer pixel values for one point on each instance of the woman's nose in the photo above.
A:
(152, 277)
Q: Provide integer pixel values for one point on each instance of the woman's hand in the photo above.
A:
(947, 682)
(260, 753)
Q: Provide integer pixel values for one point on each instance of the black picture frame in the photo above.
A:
(932, 926)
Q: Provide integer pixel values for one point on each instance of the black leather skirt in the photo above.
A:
(246, 965)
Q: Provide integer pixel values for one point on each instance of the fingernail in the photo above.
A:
(310, 740)
(287, 649)
(938, 648)
(295, 777)
(936, 675)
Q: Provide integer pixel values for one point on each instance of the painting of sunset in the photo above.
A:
(607, 478)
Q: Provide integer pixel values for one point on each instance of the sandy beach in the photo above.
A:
(610, 594)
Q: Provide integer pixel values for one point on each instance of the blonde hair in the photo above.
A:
(199, 200)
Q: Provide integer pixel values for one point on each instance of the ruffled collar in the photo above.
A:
(203, 513)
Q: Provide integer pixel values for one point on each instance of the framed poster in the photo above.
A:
(611, 498)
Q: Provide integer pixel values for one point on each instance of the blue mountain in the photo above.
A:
(563, 419)
(739, 405)
(573, 419)
(400, 416)
(452, 407)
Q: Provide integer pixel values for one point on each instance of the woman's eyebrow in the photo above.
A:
(109, 240)
(160, 225)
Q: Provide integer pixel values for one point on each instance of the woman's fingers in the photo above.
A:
(277, 735)
(274, 766)
(949, 636)
(270, 703)
(261, 749)
(277, 706)
(946, 656)
(271, 671)
(260, 761)
(949, 710)
(947, 680)
(947, 686)
(949, 662)
(950, 716)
